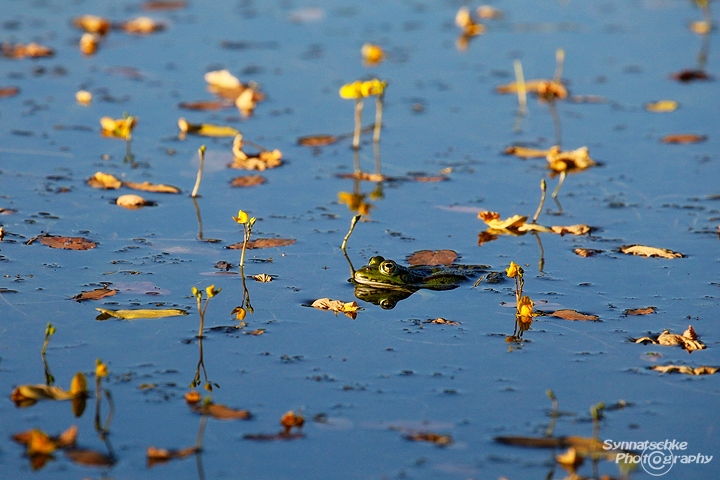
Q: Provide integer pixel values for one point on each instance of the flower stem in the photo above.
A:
(201, 154)
(358, 120)
(378, 118)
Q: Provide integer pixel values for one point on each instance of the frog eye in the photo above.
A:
(388, 267)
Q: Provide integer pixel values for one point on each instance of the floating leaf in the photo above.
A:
(545, 89)
(256, 333)
(439, 440)
(152, 187)
(317, 140)
(162, 455)
(662, 106)
(525, 152)
(263, 243)
(164, 4)
(640, 311)
(142, 26)
(687, 370)
(131, 202)
(291, 420)
(348, 308)
(573, 315)
(247, 181)
(6, 92)
(432, 257)
(83, 97)
(579, 229)
(104, 181)
(222, 412)
(690, 75)
(66, 243)
(223, 79)
(96, 294)
(569, 160)
(587, 252)
(262, 278)
(442, 321)
(683, 138)
(33, 50)
(372, 54)
(645, 251)
(140, 313)
(90, 458)
(92, 24)
(204, 105)
(262, 161)
(688, 340)
(118, 128)
(206, 129)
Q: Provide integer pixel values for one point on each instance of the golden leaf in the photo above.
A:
(570, 160)
(645, 251)
(104, 181)
(131, 202)
(141, 313)
(206, 129)
(579, 229)
(247, 181)
(640, 311)
(151, 187)
(687, 370)
(262, 278)
(525, 152)
(662, 106)
(223, 79)
(92, 24)
(348, 308)
(142, 26)
(683, 138)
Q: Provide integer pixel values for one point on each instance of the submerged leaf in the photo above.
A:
(263, 243)
(247, 181)
(162, 455)
(140, 313)
(67, 243)
(439, 440)
(573, 315)
(90, 458)
(645, 251)
(317, 140)
(432, 257)
(683, 138)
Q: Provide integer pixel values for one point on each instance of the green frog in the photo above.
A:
(385, 274)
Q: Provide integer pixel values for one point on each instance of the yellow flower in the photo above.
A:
(101, 369)
(212, 291)
(240, 313)
(514, 270)
(372, 54)
(196, 293)
(242, 217)
(525, 307)
(372, 87)
(351, 91)
(120, 128)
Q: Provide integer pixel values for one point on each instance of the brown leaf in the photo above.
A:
(683, 138)
(429, 179)
(690, 333)
(485, 237)
(96, 294)
(525, 152)
(104, 181)
(162, 455)
(142, 26)
(573, 315)
(67, 243)
(645, 251)
(257, 332)
(32, 50)
(247, 181)
(439, 440)
(221, 412)
(587, 252)
(92, 24)
(579, 229)
(442, 321)
(263, 243)
(316, 140)
(9, 91)
(640, 311)
(152, 187)
(89, 458)
(687, 370)
(689, 75)
(432, 257)
(348, 308)
(131, 202)
(164, 5)
(205, 105)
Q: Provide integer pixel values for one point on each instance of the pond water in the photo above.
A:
(362, 384)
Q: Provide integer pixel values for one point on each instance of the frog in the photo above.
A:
(386, 274)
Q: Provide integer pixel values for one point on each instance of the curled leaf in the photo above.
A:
(348, 308)
(206, 129)
(687, 370)
(104, 181)
(645, 251)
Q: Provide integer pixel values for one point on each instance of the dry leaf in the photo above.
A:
(317, 140)
(223, 79)
(439, 440)
(33, 50)
(247, 181)
(142, 26)
(221, 412)
(263, 161)
(27, 395)
(256, 333)
(690, 75)
(348, 308)
(569, 160)
(93, 24)
(140, 313)
(687, 370)
(96, 294)
(204, 105)
(432, 257)
(89, 43)
(662, 106)
(690, 333)
(131, 202)
(525, 152)
(579, 229)
(6, 92)
(291, 419)
(162, 455)
(90, 458)
(40, 443)
(152, 187)
(545, 89)
(640, 311)
(645, 251)
(83, 97)
(66, 243)
(573, 315)
(683, 138)
(263, 243)
(492, 219)
(164, 4)
(587, 252)
(570, 459)
(442, 321)
(206, 129)
(262, 278)
(104, 181)
(688, 340)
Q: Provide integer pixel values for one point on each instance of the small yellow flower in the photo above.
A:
(120, 128)
(372, 54)
(196, 293)
(525, 307)
(212, 291)
(101, 369)
(351, 91)
(242, 217)
(372, 87)
(240, 313)
(514, 270)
